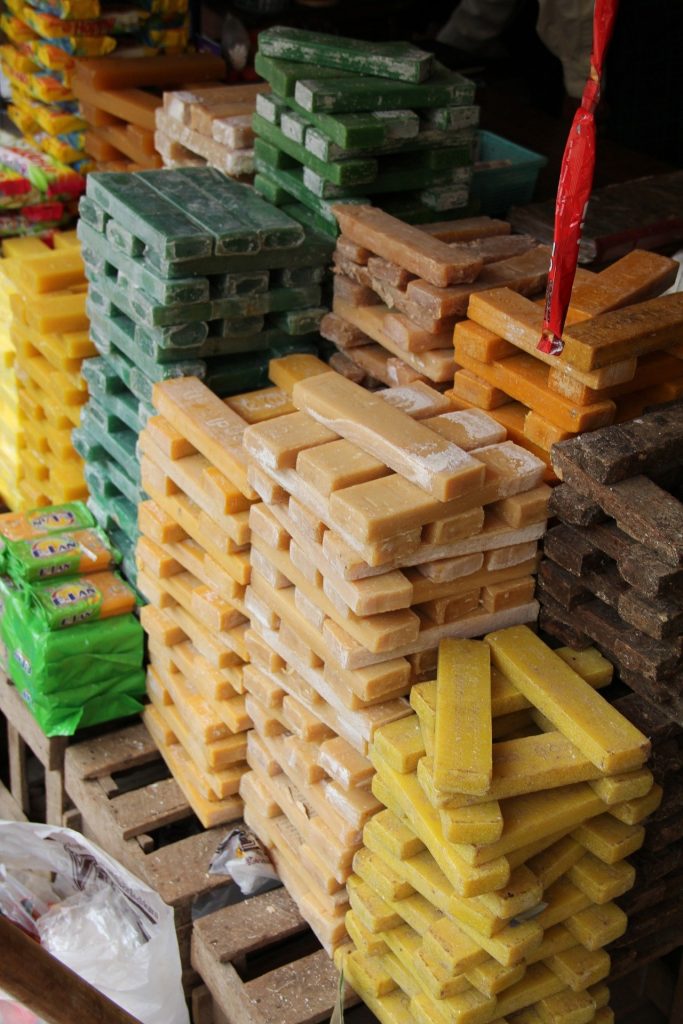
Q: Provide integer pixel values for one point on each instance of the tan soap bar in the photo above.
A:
(636, 276)
(418, 400)
(168, 439)
(595, 727)
(623, 334)
(389, 435)
(214, 429)
(462, 731)
(420, 253)
(265, 404)
(288, 370)
(468, 428)
(276, 443)
(336, 465)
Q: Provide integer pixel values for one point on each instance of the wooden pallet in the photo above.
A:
(262, 965)
(25, 737)
(136, 812)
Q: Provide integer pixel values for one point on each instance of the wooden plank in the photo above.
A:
(114, 752)
(48, 987)
(161, 803)
(49, 751)
(17, 767)
(9, 808)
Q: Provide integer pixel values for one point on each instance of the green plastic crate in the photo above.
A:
(499, 188)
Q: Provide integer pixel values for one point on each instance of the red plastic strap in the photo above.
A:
(574, 189)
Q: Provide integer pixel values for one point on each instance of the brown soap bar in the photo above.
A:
(651, 444)
(573, 508)
(418, 252)
(642, 509)
(624, 333)
(121, 72)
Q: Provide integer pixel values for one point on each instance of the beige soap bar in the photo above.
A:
(277, 443)
(420, 253)
(388, 434)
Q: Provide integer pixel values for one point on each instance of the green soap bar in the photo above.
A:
(452, 118)
(447, 197)
(322, 146)
(287, 278)
(92, 214)
(307, 217)
(246, 373)
(271, 106)
(115, 451)
(126, 406)
(139, 385)
(387, 181)
(99, 377)
(109, 480)
(352, 95)
(292, 182)
(249, 283)
(146, 310)
(282, 299)
(314, 250)
(207, 207)
(96, 247)
(114, 436)
(399, 60)
(282, 75)
(123, 240)
(118, 331)
(274, 229)
(343, 172)
(411, 209)
(89, 450)
(301, 321)
(139, 208)
(117, 515)
(293, 126)
(108, 299)
(274, 156)
(236, 326)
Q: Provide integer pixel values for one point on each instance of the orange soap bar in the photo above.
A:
(121, 72)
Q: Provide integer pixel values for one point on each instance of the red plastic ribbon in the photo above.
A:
(574, 189)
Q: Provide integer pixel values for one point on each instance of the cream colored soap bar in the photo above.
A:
(386, 433)
(462, 734)
(596, 728)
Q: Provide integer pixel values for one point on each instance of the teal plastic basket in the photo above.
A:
(513, 183)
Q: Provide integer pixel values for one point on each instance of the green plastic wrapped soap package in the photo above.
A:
(41, 522)
(71, 600)
(76, 677)
(59, 554)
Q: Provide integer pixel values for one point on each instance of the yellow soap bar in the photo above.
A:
(379, 876)
(608, 839)
(579, 967)
(400, 743)
(631, 812)
(602, 882)
(566, 1008)
(606, 738)
(462, 729)
(288, 370)
(595, 927)
(364, 940)
(614, 789)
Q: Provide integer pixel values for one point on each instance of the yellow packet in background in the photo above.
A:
(13, 58)
(40, 85)
(65, 148)
(15, 29)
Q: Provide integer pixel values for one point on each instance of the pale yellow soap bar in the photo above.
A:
(462, 734)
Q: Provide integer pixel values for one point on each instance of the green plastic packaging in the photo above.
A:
(77, 677)
(59, 554)
(69, 601)
(41, 522)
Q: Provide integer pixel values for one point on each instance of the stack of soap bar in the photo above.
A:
(12, 439)
(485, 889)
(357, 121)
(614, 568)
(49, 332)
(41, 57)
(190, 273)
(621, 353)
(74, 648)
(193, 562)
(399, 290)
(387, 524)
(118, 101)
(209, 125)
(653, 904)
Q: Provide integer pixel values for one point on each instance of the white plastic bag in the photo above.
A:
(136, 963)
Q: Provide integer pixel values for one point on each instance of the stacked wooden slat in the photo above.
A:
(387, 523)
(208, 124)
(621, 353)
(400, 290)
(485, 889)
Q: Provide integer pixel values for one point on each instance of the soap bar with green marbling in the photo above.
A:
(398, 60)
(322, 146)
(109, 480)
(297, 276)
(226, 286)
(92, 214)
(109, 332)
(123, 240)
(135, 205)
(355, 95)
(301, 321)
(183, 289)
(118, 441)
(282, 75)
(293, 126)
(342, 172)
(391, 180)
(100, 304)
(115, 512)
(248, 372)
(292, 182)
(122, 404)
(452, 118)
(100, 377)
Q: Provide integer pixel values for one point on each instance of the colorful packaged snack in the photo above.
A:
(72, 600)
(71, 9)
(68, 149)
(52, 179)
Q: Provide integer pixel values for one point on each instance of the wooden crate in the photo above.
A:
(129, 804)
(25, 737)
(263, 965)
